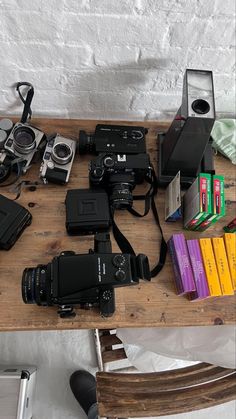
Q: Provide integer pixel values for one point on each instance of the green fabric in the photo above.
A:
(224, 136)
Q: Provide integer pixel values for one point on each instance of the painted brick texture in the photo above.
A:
(114, 59)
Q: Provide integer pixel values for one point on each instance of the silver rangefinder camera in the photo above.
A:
(23, 142)
(58, 159)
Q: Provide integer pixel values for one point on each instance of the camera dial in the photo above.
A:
(120, 275)
(119, 260)
(108, 162)
(62, 153)
(24, 140)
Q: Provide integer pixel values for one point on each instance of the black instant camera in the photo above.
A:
(121, 163)
(186, 146)
(86, 280)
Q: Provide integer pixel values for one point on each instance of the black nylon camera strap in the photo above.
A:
(27, 112)
(149, 200)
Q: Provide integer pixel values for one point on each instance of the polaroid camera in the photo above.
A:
(186, 146)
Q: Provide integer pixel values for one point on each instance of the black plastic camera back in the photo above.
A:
(87, 280)
(13, 220)
(87, 211)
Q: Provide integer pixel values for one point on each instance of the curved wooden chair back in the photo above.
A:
(123, 395)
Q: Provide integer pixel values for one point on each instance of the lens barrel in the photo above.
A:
(24, 140)
(121, 196)
(62, 153)
(34, 286)
(86, 143)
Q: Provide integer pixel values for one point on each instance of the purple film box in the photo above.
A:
(178, 282)
(202, 290)
(182, 265)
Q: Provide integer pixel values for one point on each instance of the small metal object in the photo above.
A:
(6, 125)
(3, 137)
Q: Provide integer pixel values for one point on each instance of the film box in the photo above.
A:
(218, 203)
(202, 289)
(230, 245)
(210, 267)
(197, 202)
(181, 263)
(222, 266)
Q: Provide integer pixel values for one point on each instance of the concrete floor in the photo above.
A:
(57, 355)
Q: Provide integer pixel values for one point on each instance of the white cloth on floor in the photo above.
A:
(149, 348)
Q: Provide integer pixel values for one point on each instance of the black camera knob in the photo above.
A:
(120, 275)
(98, 172)
(108, 162)
(107, 295)
(119, 260)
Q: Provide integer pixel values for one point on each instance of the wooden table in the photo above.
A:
(144, 305)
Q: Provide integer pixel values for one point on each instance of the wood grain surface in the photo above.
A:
(144, 305)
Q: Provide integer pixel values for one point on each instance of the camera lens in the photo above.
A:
(62, 153)
(121, 196)
(4, 172)
(200, 106)
(24, 140)
(86, 143)
(34, 286)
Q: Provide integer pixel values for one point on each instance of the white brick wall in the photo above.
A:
(114, 59)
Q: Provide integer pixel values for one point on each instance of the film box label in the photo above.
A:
(230, 245)
(198, 202)
(218, 203)
(202, 289)
(222, 266)
(182, 265)
(210, 267)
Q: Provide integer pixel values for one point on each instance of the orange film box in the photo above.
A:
(230, 245)
(222, 266)
(210, 267)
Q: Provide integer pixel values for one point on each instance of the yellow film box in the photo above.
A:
(222, 266)
(210, 267)
(230, 245)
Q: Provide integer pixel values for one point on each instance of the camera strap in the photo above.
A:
(149, 203)
(27, 112)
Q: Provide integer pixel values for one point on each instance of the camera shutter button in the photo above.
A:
(50, 165)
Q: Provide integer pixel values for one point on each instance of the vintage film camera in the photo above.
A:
(87, 280)
(23, 142)
(186, 146)
(58, 159)
(121, 163)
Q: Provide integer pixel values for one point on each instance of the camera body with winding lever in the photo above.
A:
(58, 159)
(86, 280)
(121, 160)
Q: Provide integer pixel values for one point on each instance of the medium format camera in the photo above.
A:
(119, 174)
(58, 159)
(23, 142)
(114, 139)
(121, 162)
(87, 280)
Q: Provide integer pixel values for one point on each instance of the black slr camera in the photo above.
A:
(87, 280)
(121, 163)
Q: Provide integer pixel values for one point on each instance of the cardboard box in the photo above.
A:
(181, 262)
(210, 267)
(197, 202)
(230, 245)
(218, 203)
(202, 289)
(222, 266)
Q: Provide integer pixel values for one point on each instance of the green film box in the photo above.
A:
(218, 203)
(197, 202)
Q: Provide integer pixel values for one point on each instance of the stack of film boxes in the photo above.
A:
(204, 202)
(204, 267)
